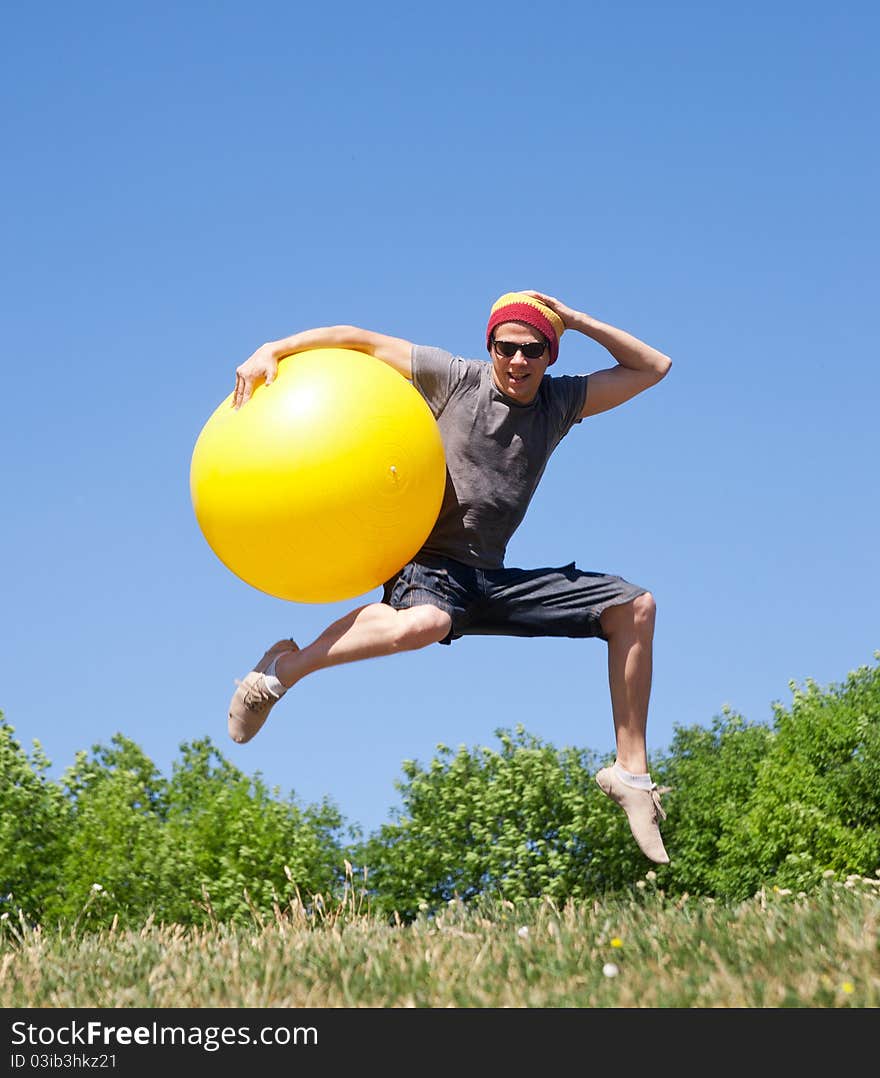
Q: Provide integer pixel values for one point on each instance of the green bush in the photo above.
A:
(116, 861)
(520, 823)
(815, 805)
(235, 835)
(34, 821)
(711, 773)
(751, 806)
(116, 840)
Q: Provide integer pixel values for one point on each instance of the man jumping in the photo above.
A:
(499, 421)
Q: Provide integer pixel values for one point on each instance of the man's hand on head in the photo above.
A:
(566, 313)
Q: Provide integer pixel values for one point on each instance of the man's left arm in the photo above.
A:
(639, 366)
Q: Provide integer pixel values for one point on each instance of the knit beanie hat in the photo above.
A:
(520, 307)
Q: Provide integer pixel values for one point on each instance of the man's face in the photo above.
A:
(516, 376)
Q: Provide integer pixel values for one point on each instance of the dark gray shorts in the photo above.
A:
(510, 602)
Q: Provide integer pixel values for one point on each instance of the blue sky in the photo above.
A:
(185, 181)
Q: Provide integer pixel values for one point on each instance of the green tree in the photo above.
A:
(117, 861)
(209, 842)
(751, 806)
(712, 774)
(235, 835)
(34, 824)
(524, 822)
(815, 805)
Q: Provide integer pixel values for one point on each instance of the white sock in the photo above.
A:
(276, 687)
(638, 782)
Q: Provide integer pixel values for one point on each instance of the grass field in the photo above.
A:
(777, 950)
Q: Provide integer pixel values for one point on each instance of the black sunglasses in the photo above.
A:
(508, 349)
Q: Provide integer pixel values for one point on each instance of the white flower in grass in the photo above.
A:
(523, 932)
(610, 969)
(97, 888)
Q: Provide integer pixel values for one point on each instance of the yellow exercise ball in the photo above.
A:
(325, 483)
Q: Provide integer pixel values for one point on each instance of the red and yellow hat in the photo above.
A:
(521, 307)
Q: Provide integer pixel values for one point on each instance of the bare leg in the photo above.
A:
(630, 631)
(365, 633)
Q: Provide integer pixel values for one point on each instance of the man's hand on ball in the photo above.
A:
(262, 366)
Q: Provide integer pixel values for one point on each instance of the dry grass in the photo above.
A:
(777, 950)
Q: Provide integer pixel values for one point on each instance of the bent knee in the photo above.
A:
(419, 626)
(644, 607)
(637, 614)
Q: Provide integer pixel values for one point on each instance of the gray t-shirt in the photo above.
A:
(496, 450)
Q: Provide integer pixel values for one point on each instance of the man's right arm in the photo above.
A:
(262, 366)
